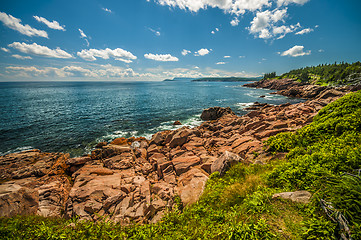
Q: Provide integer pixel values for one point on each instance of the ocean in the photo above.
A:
(73, 116)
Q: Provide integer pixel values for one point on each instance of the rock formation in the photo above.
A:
(136, 180)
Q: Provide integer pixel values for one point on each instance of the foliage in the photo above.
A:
(320, 153)
(328, 74)
(269, 75)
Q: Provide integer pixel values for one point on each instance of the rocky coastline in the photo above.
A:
(137, 180)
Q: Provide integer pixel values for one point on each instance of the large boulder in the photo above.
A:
(191, 185)
(224, 162)
(180, 138)
(17, 200)
(214, 113)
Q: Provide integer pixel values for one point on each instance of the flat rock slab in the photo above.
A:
(183, 164)
(298, 196)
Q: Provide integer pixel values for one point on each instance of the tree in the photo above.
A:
(270, 75)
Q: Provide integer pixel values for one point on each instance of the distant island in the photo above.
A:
(226, 79)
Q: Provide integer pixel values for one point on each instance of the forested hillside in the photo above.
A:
(325, 74)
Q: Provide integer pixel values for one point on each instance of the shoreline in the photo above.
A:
(136, 179)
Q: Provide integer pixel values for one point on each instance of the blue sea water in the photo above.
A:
(73, 116)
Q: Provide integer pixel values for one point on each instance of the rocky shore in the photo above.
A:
(290, 88)
(137, 180)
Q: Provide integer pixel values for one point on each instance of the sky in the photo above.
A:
(135, 40)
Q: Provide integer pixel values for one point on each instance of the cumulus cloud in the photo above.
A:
(102, 72)
(287, 2)
(265, 25)
(264, 22)
(226, 56)
(270, 24)
(5, 49)
(107, 10)
(220, 63)
(53, 25)
(40, 50)
(118, 53)
(15, 24)
(161, 57)
(296, 51)
(32, 71)
(236, 7)
(304, 31)
(185, 52)
(235, 22)
(321, 50)
(21, 57)
(242, 56)
(95, 71)
(202, 52)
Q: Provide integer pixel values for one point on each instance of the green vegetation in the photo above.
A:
(239, 205)
(328, 74)
(269, 75)
(319, 156)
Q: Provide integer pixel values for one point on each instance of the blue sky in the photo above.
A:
(158, 39)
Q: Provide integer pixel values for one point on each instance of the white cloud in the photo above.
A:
(94, 71)
(235, 22)
(242, 56)
(296, 51)
(185, 52)
(118, 54)
(236, 7)
(304, 31)
(226, 56)
(215, 30)
(161, 57)
(53, 25)
(264, 22)
(21, 57)
(220, 63)
(82, 34)
(321, 50)
(124, 60)
(286, 2)
(5, 49)
(14, 23)
(40, 50)
(202, 52)
(107, 10)
(157, 33)
(270, 24)
(103, 72)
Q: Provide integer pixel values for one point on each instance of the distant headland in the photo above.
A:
(215, 79)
